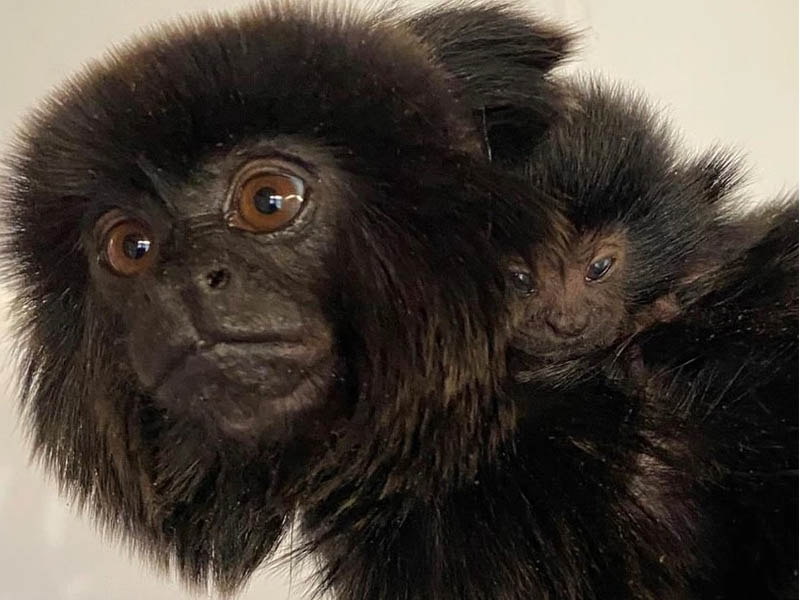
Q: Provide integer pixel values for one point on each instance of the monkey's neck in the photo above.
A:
(530, 525)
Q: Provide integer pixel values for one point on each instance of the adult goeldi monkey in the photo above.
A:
(257, 270)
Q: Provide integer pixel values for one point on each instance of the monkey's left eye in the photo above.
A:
(129, 247)
(267, 202)
(599, 268)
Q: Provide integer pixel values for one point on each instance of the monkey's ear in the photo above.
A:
(501, 61)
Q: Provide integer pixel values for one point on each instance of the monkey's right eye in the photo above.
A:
(129, 247)
(522, 282)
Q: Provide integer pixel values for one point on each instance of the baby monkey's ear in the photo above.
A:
(501, 60)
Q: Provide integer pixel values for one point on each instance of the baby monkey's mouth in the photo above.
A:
(548, 348)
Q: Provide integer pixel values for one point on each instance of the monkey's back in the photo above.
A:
(728, 369)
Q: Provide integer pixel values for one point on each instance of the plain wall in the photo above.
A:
(724, 70)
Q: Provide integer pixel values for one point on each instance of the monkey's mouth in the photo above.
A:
(246, 388)
(563, 348)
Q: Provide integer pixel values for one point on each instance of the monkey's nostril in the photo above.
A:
(218, 279)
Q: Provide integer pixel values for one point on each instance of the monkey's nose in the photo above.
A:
(564, 326)
(218, 279)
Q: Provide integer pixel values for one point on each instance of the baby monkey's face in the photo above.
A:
(570, 302)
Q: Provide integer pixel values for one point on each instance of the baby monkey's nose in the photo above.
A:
(567, 325)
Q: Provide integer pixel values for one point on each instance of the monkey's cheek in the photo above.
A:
(247, 393)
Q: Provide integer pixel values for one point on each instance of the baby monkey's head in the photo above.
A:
(645, 221)
(572, 302)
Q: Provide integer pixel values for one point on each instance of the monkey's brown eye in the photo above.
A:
(129, 247)
(599, 268)
(268, 202)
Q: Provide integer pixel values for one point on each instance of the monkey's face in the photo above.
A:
(220, 290)
(573, 303)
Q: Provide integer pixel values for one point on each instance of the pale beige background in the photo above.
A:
(725, 70)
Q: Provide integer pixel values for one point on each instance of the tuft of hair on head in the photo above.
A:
(502, 60)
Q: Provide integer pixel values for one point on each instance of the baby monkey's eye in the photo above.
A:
(599, 268)
(521, 281)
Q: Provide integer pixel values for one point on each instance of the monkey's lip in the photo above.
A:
(248, 381)
(234, 351)
(558, 349)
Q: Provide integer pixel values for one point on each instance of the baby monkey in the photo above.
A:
(575, 301)
(682, 313)
(643, 223)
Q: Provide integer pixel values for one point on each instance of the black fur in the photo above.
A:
(728, 368)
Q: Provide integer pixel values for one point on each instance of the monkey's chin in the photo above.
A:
(561, 349)
(249, 392)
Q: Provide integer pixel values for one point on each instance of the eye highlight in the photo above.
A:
(599, 268)
(265, 201)
(128, 246)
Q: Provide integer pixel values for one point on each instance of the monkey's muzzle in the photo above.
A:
(248, 389)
